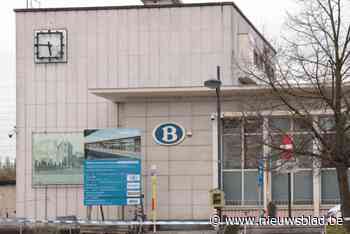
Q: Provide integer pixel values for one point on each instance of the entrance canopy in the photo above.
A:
(122, 94)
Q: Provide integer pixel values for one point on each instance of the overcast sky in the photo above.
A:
(267, 16)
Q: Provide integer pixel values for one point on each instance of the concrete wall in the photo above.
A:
(124, 48)
(185, 170)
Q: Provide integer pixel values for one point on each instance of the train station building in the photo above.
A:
(140, 67)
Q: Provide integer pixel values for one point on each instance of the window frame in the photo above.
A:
(265, 150)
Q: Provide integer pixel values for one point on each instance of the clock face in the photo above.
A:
(50, 46)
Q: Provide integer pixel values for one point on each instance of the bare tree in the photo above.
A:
(312, 76)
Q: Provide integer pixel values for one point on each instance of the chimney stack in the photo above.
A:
(161, 2)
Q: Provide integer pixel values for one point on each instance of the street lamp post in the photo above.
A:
(216, 84)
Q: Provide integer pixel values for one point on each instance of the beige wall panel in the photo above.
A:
(112, 115)
(184, 121)
(153, 80)
(180, 197)
(30, 198)
(201, 123)
(123, 62)
(80, 205)
(82, 109)
(203, 108)
(61, 116)
(61, 87)
(92, 115)
(190, 153)
(72, 115)
(199, 138)
(162, 211)
(51, 88)
(203, 182)
(152, 122)
(82, 81)
(40, 205)
(20, 34)
(135, 109)
(80, 39)
(51, 114)
(51, 202)
(157, 109)
(133, 71)
(200, 197)
(40, 116)
(20, 189)
(180, 108)
(102, 117)
(61, 201)
(180, 212)
(30, 116)
(144, 63)
(20, 113)
(149, 140)
(102, 51)
(186, 168)
(27, 39)
(157, 153)
(112, 72)
(72, 200)
(30, 91)
(91, 40)
(123, 32)
(133, 28)
(202, 212)
(136, 122)
(180, 182)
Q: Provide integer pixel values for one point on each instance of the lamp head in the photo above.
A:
(212, 84)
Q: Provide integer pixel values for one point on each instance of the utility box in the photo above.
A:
(217, 198)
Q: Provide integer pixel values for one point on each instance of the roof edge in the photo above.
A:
(122, 7)
(20, 10)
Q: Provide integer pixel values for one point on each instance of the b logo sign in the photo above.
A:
(168, 134)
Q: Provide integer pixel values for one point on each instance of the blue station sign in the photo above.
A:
(112, 182)
(169, 134)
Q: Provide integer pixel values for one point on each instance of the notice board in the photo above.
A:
(112, 167)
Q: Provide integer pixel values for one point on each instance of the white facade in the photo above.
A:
(134, 67)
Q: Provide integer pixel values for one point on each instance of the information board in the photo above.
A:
(112, 167)
(112, 182)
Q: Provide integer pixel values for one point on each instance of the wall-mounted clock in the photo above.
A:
(50, 46)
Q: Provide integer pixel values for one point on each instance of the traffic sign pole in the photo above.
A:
(260, 181)
(287, 156)
(154, 197)
(289, 196)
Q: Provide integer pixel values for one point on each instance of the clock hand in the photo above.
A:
(49, 45)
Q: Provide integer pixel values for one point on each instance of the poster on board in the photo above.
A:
(57, 158)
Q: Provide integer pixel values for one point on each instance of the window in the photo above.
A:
(303, 187)
(242, 147)
(279, 188)
(302, 141)
(329, 187)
